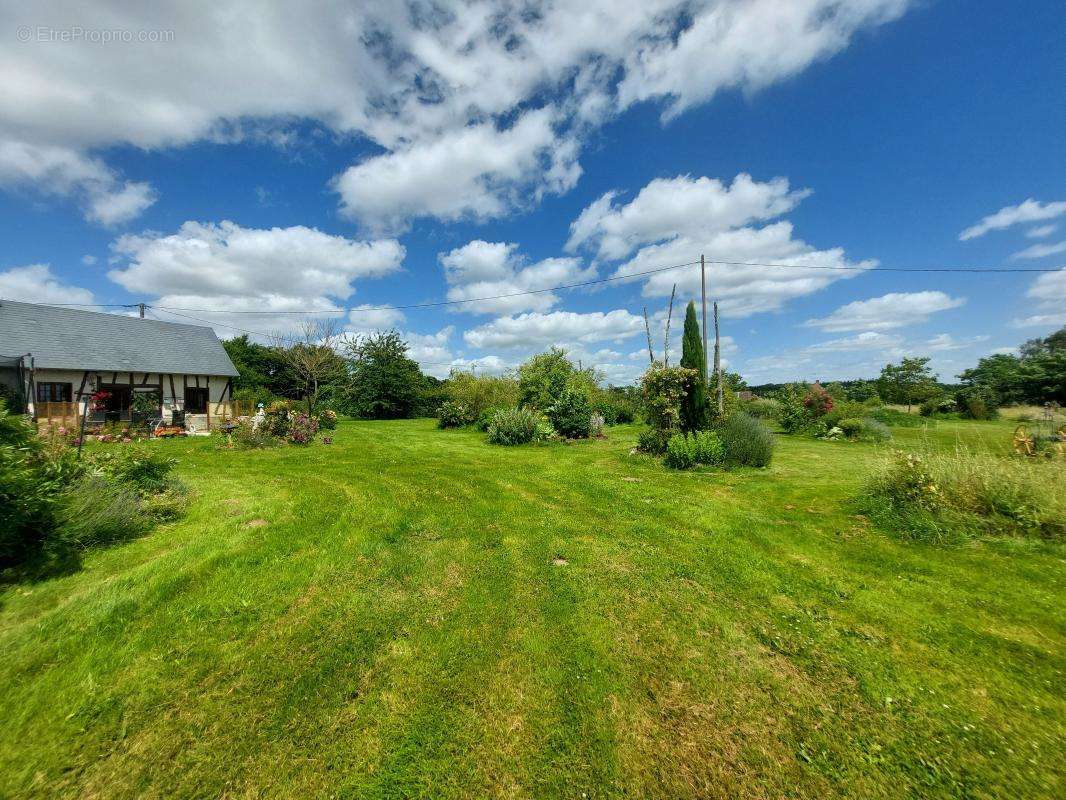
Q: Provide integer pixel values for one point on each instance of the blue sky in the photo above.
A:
(264, 160)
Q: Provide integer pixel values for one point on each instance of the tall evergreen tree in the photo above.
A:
(694, 406)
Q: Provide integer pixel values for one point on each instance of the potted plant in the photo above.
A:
(143, 407)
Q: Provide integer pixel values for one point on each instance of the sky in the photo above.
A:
(232, 163)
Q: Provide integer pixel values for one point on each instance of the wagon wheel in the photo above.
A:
(1024, 444)
(1060, 445)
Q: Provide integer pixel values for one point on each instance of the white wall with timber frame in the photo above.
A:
(172, 387)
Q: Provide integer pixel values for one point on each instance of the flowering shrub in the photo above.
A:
(302, 429)
(327, 420)
(663, 389)
(452, 415)
(520, 425)
(571, 414)
(818, 402)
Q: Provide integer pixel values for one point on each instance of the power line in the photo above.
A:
(628, 276)
(437, 303)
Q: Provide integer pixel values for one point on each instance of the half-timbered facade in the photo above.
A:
(58, 359)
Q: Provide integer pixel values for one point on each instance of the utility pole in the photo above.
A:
(718, 363)
(703, 293)
(647, 330)
(140, 307)
(669, 315)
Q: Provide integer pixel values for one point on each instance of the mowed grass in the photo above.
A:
(413, 613)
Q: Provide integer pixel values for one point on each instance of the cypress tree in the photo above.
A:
(694, 405)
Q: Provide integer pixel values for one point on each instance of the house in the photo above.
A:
(57, 358)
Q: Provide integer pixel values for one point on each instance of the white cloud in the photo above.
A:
(367, 318)
(1048, 290)
(88, 260)
(424, 82)
(945, 341)
(870, 340)
(746, 46)
(537, 330)
(63, 172)
(230, 268)
(1028, 211)
(113, 207)
(491, 269)
(744, 288)
(668, 208)
(893, 310)
(1041, 231)
(35, 283)
(478, 173)
(1041, 250)
(674, 221)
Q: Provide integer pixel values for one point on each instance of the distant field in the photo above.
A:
(413, 613)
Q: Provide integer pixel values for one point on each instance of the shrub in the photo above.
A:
(663, 389)
(97, 511)
(943, 496)
(680, 453)
(707, 448)
(139, 468)
(864, 429)
(543, 378)
(482, 422)
(653, 441)
(452, 415)
(817, 401)
(571, 414)
(303, 429)
(977, 403)
(762, 408)
(480, 393)
(518, 425)
(327, 420)
(894, 418)
(247, 437)
(746, 441)
(937, 405)
(26, 495)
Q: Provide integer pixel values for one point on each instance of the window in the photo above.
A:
(118, 396)
(195, 400)
(54, 392)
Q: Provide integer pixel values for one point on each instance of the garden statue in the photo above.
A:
(259, 418)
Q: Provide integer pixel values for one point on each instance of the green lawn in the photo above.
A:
(412, 612)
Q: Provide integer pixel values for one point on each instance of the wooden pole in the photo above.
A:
(703, 294)
(647, 330)
(718, 363)
(669, 314)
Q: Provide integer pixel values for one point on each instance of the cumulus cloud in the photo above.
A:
(230, 268)
(945, 341)
(425, 84)
(35, 283)
(1028, 211)
(679, 207)
(63, 172)
(1041, 251)
(490, 269)
(747, 46)
(870, 340)
(893, 310)
(537, 330)
(673, 221)
(1048, 291)
(477, 172)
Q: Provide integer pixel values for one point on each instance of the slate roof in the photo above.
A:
(68, 338)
